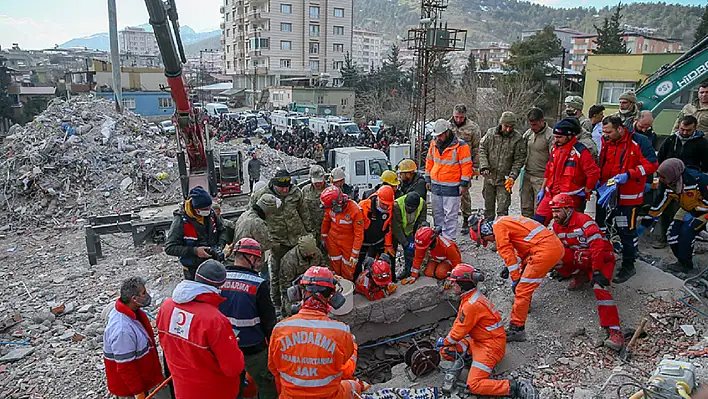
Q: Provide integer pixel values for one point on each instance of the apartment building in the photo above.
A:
(495, 54)
(566, 35)
(285, 42)
(367, 50)
(637, 43)
(132, 40)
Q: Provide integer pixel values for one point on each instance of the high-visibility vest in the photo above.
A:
(408, 229)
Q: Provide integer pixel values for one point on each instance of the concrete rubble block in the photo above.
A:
(410, 307)
(16, 354)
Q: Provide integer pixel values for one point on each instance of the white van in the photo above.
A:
(285, 122)
(362, 165)
(216, 109)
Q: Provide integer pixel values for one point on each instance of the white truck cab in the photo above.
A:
(216, 109)
(362, 165)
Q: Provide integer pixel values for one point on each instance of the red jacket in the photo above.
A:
(445, 251)
(631, 154)
(583, 234)
(200, 347)
(571, 169)
(129, 352)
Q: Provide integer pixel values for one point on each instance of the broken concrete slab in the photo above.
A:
(16, 354)
(410, 307)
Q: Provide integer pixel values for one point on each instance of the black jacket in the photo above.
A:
(693, 152)
(417, 185)
(206, 237)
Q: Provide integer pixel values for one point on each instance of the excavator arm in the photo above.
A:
(191, 137)
(670, 80)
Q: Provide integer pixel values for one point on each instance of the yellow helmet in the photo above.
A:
(407, 165)
(390, 177)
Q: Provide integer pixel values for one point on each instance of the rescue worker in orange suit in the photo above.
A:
(443, 254)
(571, 170)
(376, 280)
(478, 331)
(342, 231)
(378, 236)
(588, 257)
(311, 355)
(529, 250)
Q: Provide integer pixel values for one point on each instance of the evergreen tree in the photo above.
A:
(391, 72)
(469, 74)
(5, 102)
(532, 56)
(350, 75)
(609, 37)
(702, 29)
(484, 65)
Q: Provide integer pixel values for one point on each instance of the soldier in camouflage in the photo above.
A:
(697, 109)
(295, 263)
(469, 132)
(311, 192)
(252, 222)
(574, 109)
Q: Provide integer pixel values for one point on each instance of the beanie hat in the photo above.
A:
(575, 102)
(629, 96)
(507, 118)
(211, 272)
(412, 200)
(200, 198)
(268, 203)
(307, 245)
(567, 127)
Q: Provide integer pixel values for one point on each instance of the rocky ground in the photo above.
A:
(45, 268)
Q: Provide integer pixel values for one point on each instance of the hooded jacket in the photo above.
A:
(291, 220)
(251, 224)
(210, 232)
(200, 346)
(692, 151)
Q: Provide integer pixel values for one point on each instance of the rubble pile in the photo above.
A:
(80, 158)
(272, 159)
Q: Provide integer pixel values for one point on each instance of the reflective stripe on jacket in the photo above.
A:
(408, 227)
(583, 234)
(240, 307)
(478, 319)
(445, 251)
(571, 169)
(631, 154)
(449, 170)
(517, 237)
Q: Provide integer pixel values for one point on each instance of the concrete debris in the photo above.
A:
(688, 329)
(16, 354)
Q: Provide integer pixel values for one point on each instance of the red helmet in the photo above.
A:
(465, 272)
(318, 276)
(386, 195)
(331, 196)
(562, 201)
(381, 272)
(248, 246)
(424, 237)
(479, 227)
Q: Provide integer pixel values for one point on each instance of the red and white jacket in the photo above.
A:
(631, 154)
(571, 169)
(583, 234)
(129, 352)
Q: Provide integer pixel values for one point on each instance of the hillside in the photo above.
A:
(100, 41)
(503, 20)
(212, 43)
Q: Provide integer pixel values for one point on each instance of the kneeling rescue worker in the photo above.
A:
(529, 250)
(376, 280)
(479, 331)
(311, 355)
(444, 253)
(342, 231)
(588, 256)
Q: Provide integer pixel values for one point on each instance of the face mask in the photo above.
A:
(624, 111)
(570, 112)
(146, 302)
(206, 212)
(381, 209)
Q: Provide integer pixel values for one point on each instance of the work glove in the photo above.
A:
(694, 223)
(439, 343)
(447, 284)
(408, 280)
(504, 273)
(604, 194)
(581, 194)
(600, 279)
(508, 184)
(391, 288)
(621, 178)
(540, 195)
(647, 188)
(353, 261)
(514, 283)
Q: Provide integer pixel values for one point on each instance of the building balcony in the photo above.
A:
(256, 15)
(222, 10)
(222, 25)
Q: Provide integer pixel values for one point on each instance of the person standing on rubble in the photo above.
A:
(254, 170)
(342, 231)
(411, 179)
(252, 223)
(478, 331)
(295, 263)
(464, 129)
(448, 171)
(529, 251)
(129, 350)
(377, 211)
(588, 256)
(539, 145)
(311, 192)
(196, 233)
(250, 310)
(442, 254)
(286, 225)
(409, 214)
(502, 153)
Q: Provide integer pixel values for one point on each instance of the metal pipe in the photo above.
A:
(397, 338)
(115, 56)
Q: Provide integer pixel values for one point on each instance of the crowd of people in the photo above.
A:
(238, 325)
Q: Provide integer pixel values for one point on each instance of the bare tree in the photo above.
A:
(513, 92)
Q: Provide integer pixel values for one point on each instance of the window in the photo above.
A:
(337, 65)
(320, 99)
(314, 48)
(611, 91)
(337, 82)
(339, 30)
(376, 167)
(286, 8)
(345, 101)
(360, 168)
(339, 12)
(165, 102)
(227, 33)
(129, 103)
(228, 64)
(284, 63)
(286, 27)
(226, 17)
(314, 12)
(314, 30)
(228, 48)
(314, 66)
(286, 45)
(338, 48)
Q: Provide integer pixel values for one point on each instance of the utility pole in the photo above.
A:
(561, 95)
(115, 56)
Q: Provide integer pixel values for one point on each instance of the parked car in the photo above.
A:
(168, 127)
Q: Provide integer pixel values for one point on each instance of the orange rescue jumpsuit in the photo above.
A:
(343, 234)
(366, 286)
(530, 251)
(313, 356)
(443, 258)
(479, 331)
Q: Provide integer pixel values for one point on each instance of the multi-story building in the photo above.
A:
(367, 51)
(495, 54)
(637, 43)
(269, 43)
(132, 40)
(566, 36)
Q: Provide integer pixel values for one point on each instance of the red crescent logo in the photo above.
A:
(181, 319)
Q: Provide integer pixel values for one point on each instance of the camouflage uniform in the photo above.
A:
(294, 264)
(314, 208)
(697, 110)
(286, 225)
(251, 225)
(585, 122)
(585, 137)
(470, 133)
(538, 149)
(503, 155)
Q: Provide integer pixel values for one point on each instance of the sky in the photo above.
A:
(36, 24)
